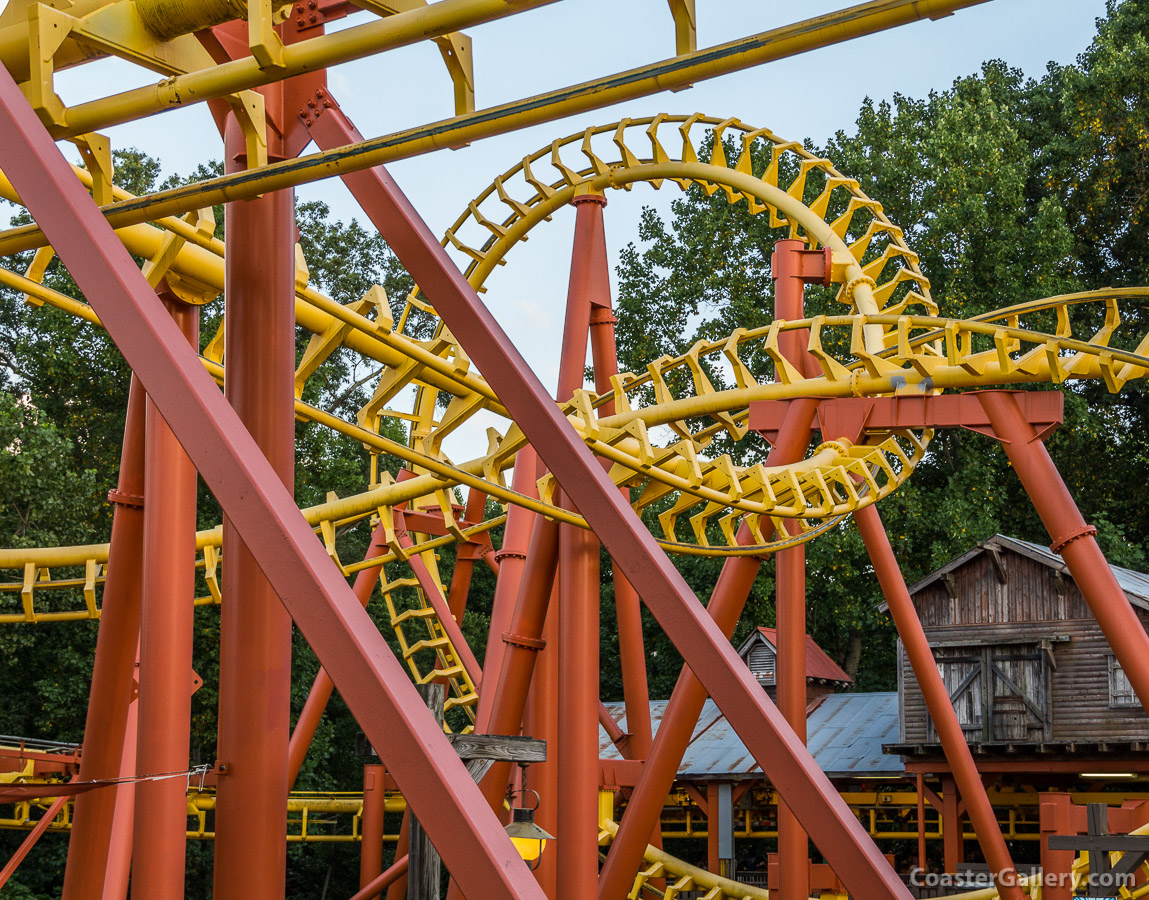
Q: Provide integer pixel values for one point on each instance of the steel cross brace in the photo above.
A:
(782, 756)
(348, 644)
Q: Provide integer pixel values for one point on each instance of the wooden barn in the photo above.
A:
(1027, 667)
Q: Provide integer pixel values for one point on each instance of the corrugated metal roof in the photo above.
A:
(1135, 584)
(818, 662)
(845, 733)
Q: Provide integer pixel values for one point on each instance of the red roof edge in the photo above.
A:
(819, 665)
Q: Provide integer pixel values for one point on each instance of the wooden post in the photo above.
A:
(422, 858)
(419, 876)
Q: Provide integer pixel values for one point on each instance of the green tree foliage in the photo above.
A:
(1010, 189)
(63, 395)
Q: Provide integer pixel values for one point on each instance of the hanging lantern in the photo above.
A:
(528, 838)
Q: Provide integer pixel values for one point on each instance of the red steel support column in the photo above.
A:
(322, 688)
(371, 824)
(166, 630)
(577, 849)
(1072, 538)
(397, 889)
(522, 642)
(627, 605)
(541, 720)
(712, 861)
(790, 609)
(388, 879)
(466, 555)
(952, 851)
(512, 557)
(255, 629)
(938, 703)
(792, 268)
(702, 643)
(119, 870)
(1056, 818)
(374, 684)
(114, 669)
(578, 584)
(920, 783)
(643, 812)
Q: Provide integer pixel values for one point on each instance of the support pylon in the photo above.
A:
(792, 268)
(255, 629)
(96, 836)
(166, 633)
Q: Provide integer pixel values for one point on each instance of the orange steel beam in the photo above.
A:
(578, 583)
(114, 669)
(727, 601)
(938, 701)
(512, 557)
(668, 75)
(628, 606)
(371, 825)
(792, 268)
(370, 679)
(1072, 538)
(167, 619)
(523, 640)
(389, 879)
(30, 840)
(255, 629)
(704, 646)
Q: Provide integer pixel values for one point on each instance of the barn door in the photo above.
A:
(1019, 699)
(1000, 693)
(962, 670)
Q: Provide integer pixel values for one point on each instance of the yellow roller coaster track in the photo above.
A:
(888, 340)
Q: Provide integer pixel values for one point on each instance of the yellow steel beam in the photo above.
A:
(439, 21)
(314, 311)
(670, 74)
(685, 26)
(455, 47)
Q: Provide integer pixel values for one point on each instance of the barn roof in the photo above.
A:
(845, 733)
(819, 665)
(1135, 584)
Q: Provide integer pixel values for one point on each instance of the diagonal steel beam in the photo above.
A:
(779, 752)
(348, 644)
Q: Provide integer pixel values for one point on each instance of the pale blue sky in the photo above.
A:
(809, 96)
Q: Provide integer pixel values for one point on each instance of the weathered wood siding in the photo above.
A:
(1032, 606)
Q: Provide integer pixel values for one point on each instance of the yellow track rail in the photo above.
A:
(877, 347)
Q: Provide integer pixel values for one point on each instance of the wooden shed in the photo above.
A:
(1026, 665)
(823, 675)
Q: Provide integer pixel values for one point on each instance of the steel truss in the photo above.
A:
(584, 463)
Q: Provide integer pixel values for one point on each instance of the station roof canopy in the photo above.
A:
(845, 732)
